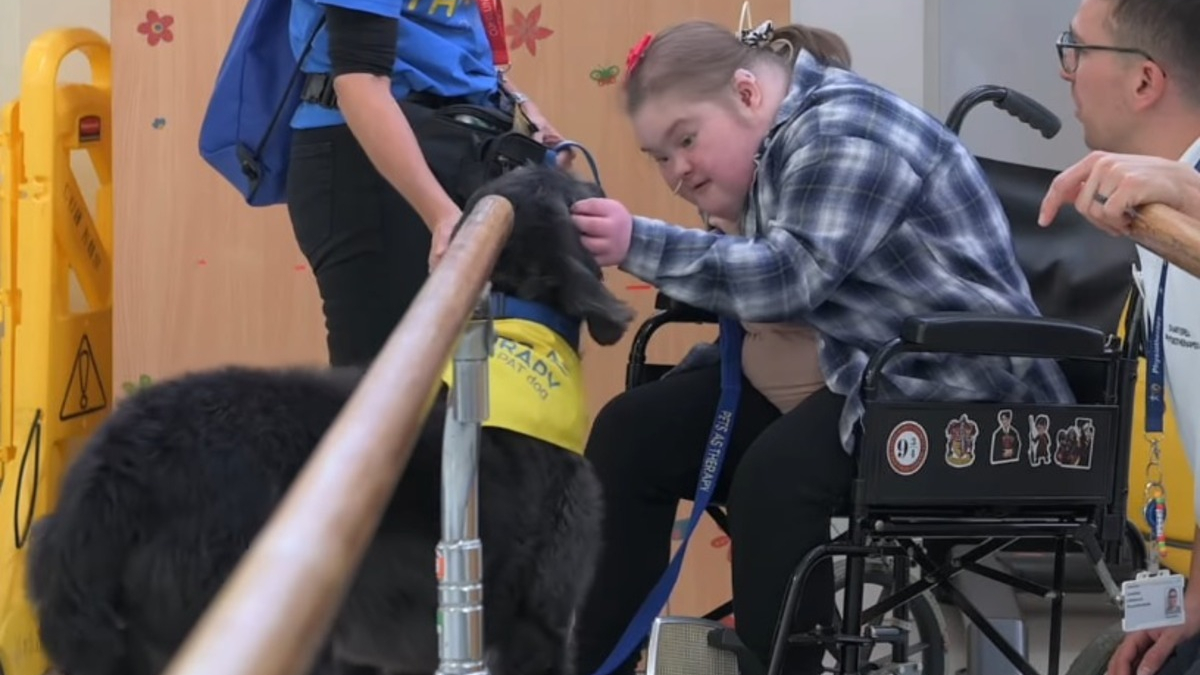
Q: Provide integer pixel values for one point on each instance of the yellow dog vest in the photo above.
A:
(534, 385)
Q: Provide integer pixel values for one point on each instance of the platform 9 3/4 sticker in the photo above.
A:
(1153, 601)
(907, 448)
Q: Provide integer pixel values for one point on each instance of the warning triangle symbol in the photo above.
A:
(85, 389)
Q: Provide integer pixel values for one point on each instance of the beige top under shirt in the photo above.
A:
(780, 359)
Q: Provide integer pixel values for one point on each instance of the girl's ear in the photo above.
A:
(745, 86)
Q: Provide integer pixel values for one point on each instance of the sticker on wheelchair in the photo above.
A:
(908, 448)
(1152, 601)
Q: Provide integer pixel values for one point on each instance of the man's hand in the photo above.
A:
(442, 230)
(607, 228)
(1148, 650)
(1106, 187)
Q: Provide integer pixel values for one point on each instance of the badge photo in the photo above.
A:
(907, 448)
(961, 433)
(1006, 440)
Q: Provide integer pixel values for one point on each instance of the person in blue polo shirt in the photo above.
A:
(374, 171)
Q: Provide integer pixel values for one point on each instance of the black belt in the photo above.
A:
(318, 89)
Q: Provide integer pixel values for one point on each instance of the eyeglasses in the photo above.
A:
(1068, 51)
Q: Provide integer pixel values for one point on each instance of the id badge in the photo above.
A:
(1153, 600)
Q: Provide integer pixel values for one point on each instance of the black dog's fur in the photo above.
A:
(170, 491)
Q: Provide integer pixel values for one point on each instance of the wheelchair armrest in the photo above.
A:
(678, 312)
(1031, 336)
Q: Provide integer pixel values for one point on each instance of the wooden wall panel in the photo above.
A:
(202, 280)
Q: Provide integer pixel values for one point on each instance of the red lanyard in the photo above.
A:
(493, 22)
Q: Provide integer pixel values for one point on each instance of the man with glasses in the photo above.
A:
(1134, 70)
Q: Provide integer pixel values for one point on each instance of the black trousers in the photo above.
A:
(784, 477)
(366, 246)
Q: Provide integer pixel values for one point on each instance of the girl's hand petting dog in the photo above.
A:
(607, 228)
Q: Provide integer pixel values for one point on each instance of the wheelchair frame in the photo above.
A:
(1100, 526)
(887, 531)
(882, 531)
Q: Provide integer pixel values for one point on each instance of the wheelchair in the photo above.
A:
(917, 521)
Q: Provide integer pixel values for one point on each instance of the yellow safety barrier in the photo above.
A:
(55, 362)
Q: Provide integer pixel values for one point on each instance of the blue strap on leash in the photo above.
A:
(508, 307)
(552, 158)
(731, 337)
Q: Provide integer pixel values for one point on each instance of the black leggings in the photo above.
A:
(366, 246)
(783, 478)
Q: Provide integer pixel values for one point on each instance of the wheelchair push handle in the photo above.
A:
(1011, 101)
(1030, 112)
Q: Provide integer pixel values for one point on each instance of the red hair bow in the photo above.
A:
(636, 54)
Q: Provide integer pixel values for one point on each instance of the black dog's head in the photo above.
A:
(544, 260)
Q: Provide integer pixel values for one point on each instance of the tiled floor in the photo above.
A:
(1084, 617)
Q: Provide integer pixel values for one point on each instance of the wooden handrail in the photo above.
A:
(272, 616)
(1169, 233)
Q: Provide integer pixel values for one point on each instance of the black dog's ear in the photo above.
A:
(585, 295)
(584, 292)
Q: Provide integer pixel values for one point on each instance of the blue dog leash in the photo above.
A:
(731, 337)
(552, 158)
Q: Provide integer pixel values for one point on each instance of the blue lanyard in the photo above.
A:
(731, 337)
(1156, 402)
(1156, 389)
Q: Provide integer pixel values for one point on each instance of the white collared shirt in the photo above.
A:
(1181, 313)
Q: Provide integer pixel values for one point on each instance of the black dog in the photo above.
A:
(170, 491)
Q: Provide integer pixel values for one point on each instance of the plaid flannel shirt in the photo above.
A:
(865, 211)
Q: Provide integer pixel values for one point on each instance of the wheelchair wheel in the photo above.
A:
(925, 624)
(1093, 660)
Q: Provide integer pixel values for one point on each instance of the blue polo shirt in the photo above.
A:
(442, 48)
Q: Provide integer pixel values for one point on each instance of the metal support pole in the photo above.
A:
(460, 553)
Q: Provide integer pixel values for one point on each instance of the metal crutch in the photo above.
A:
(460, 552)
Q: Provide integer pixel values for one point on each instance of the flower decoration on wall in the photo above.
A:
(524, 30)
(157, 27)
(723, 541)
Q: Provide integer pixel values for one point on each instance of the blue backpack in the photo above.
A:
(246, 132)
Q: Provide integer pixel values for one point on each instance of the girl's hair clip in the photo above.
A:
(636, 54)
(760, 36)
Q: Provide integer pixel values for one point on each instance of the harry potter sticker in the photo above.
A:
(1006, 440)
(907, 448)
(1039, 440)
(1073, 445)
(961, 433)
